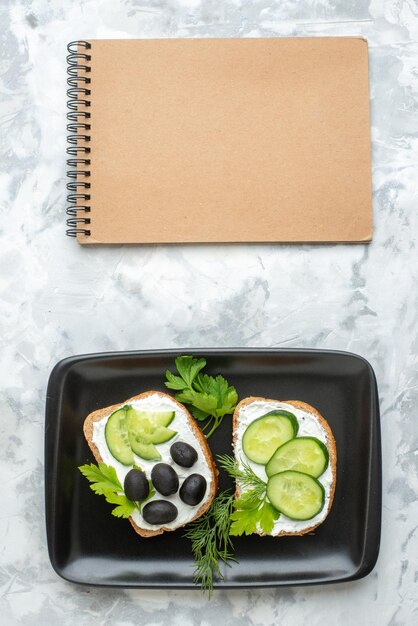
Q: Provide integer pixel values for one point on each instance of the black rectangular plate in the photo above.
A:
(88, 545)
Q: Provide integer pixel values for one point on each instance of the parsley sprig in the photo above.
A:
(104, 482)
(207, 396)
(252, 510)
(211, 541)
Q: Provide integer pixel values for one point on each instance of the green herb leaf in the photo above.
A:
(102, 476)
(203, 383)
(243, 521)
(252, 511)
(202, 401)
(125, 507)
(174, 382)
(104, 482)
(267, 516)
(220, 389)
(251, 514)
(206, 396)
(248, 500)
(198, 414)
(189, 367)
(229, 403)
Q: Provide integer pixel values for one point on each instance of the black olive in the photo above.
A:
(136, 485)
(164, 479)
(183, 454)
(159, 512)
(193, 489)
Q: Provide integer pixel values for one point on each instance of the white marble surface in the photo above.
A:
(59, 299)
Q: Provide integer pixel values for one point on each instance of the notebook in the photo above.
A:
(219, 140)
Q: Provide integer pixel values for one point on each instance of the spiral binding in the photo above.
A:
(78, 128)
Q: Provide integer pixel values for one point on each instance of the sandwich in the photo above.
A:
(291, 447)
(161, 459)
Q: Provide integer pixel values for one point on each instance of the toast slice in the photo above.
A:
(195, 438)
(304, 413)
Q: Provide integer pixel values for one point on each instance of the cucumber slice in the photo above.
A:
(117, 438)
(162, 418)
(162, 434)
(144, 448)
(147, 426)
(265, 434)
(304, 454)
(296, 495)
(156, 418)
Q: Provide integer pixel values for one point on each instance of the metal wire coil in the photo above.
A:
(78, 131)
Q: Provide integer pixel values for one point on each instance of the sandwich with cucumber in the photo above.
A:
(153, 462)
(290, 448)
(155, 466)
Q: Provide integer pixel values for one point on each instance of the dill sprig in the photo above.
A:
(226, 517)
(211, 543)
(244, 475)
(252, 513)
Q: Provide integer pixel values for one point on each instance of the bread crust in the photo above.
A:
(331, 446)
(98, 415)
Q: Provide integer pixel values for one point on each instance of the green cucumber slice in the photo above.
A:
(146, 425)
(296, 495)
(154, 418)
(304, 454)
(117, 438)
(162, 418)
(162, 434)
(265, 434)
(144, 448)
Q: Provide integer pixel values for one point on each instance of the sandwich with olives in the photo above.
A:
(153, 453)
(289, 448)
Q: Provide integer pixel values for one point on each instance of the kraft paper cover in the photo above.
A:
(230, 140)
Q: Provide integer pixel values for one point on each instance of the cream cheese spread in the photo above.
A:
(308, 427)
(180, 423)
